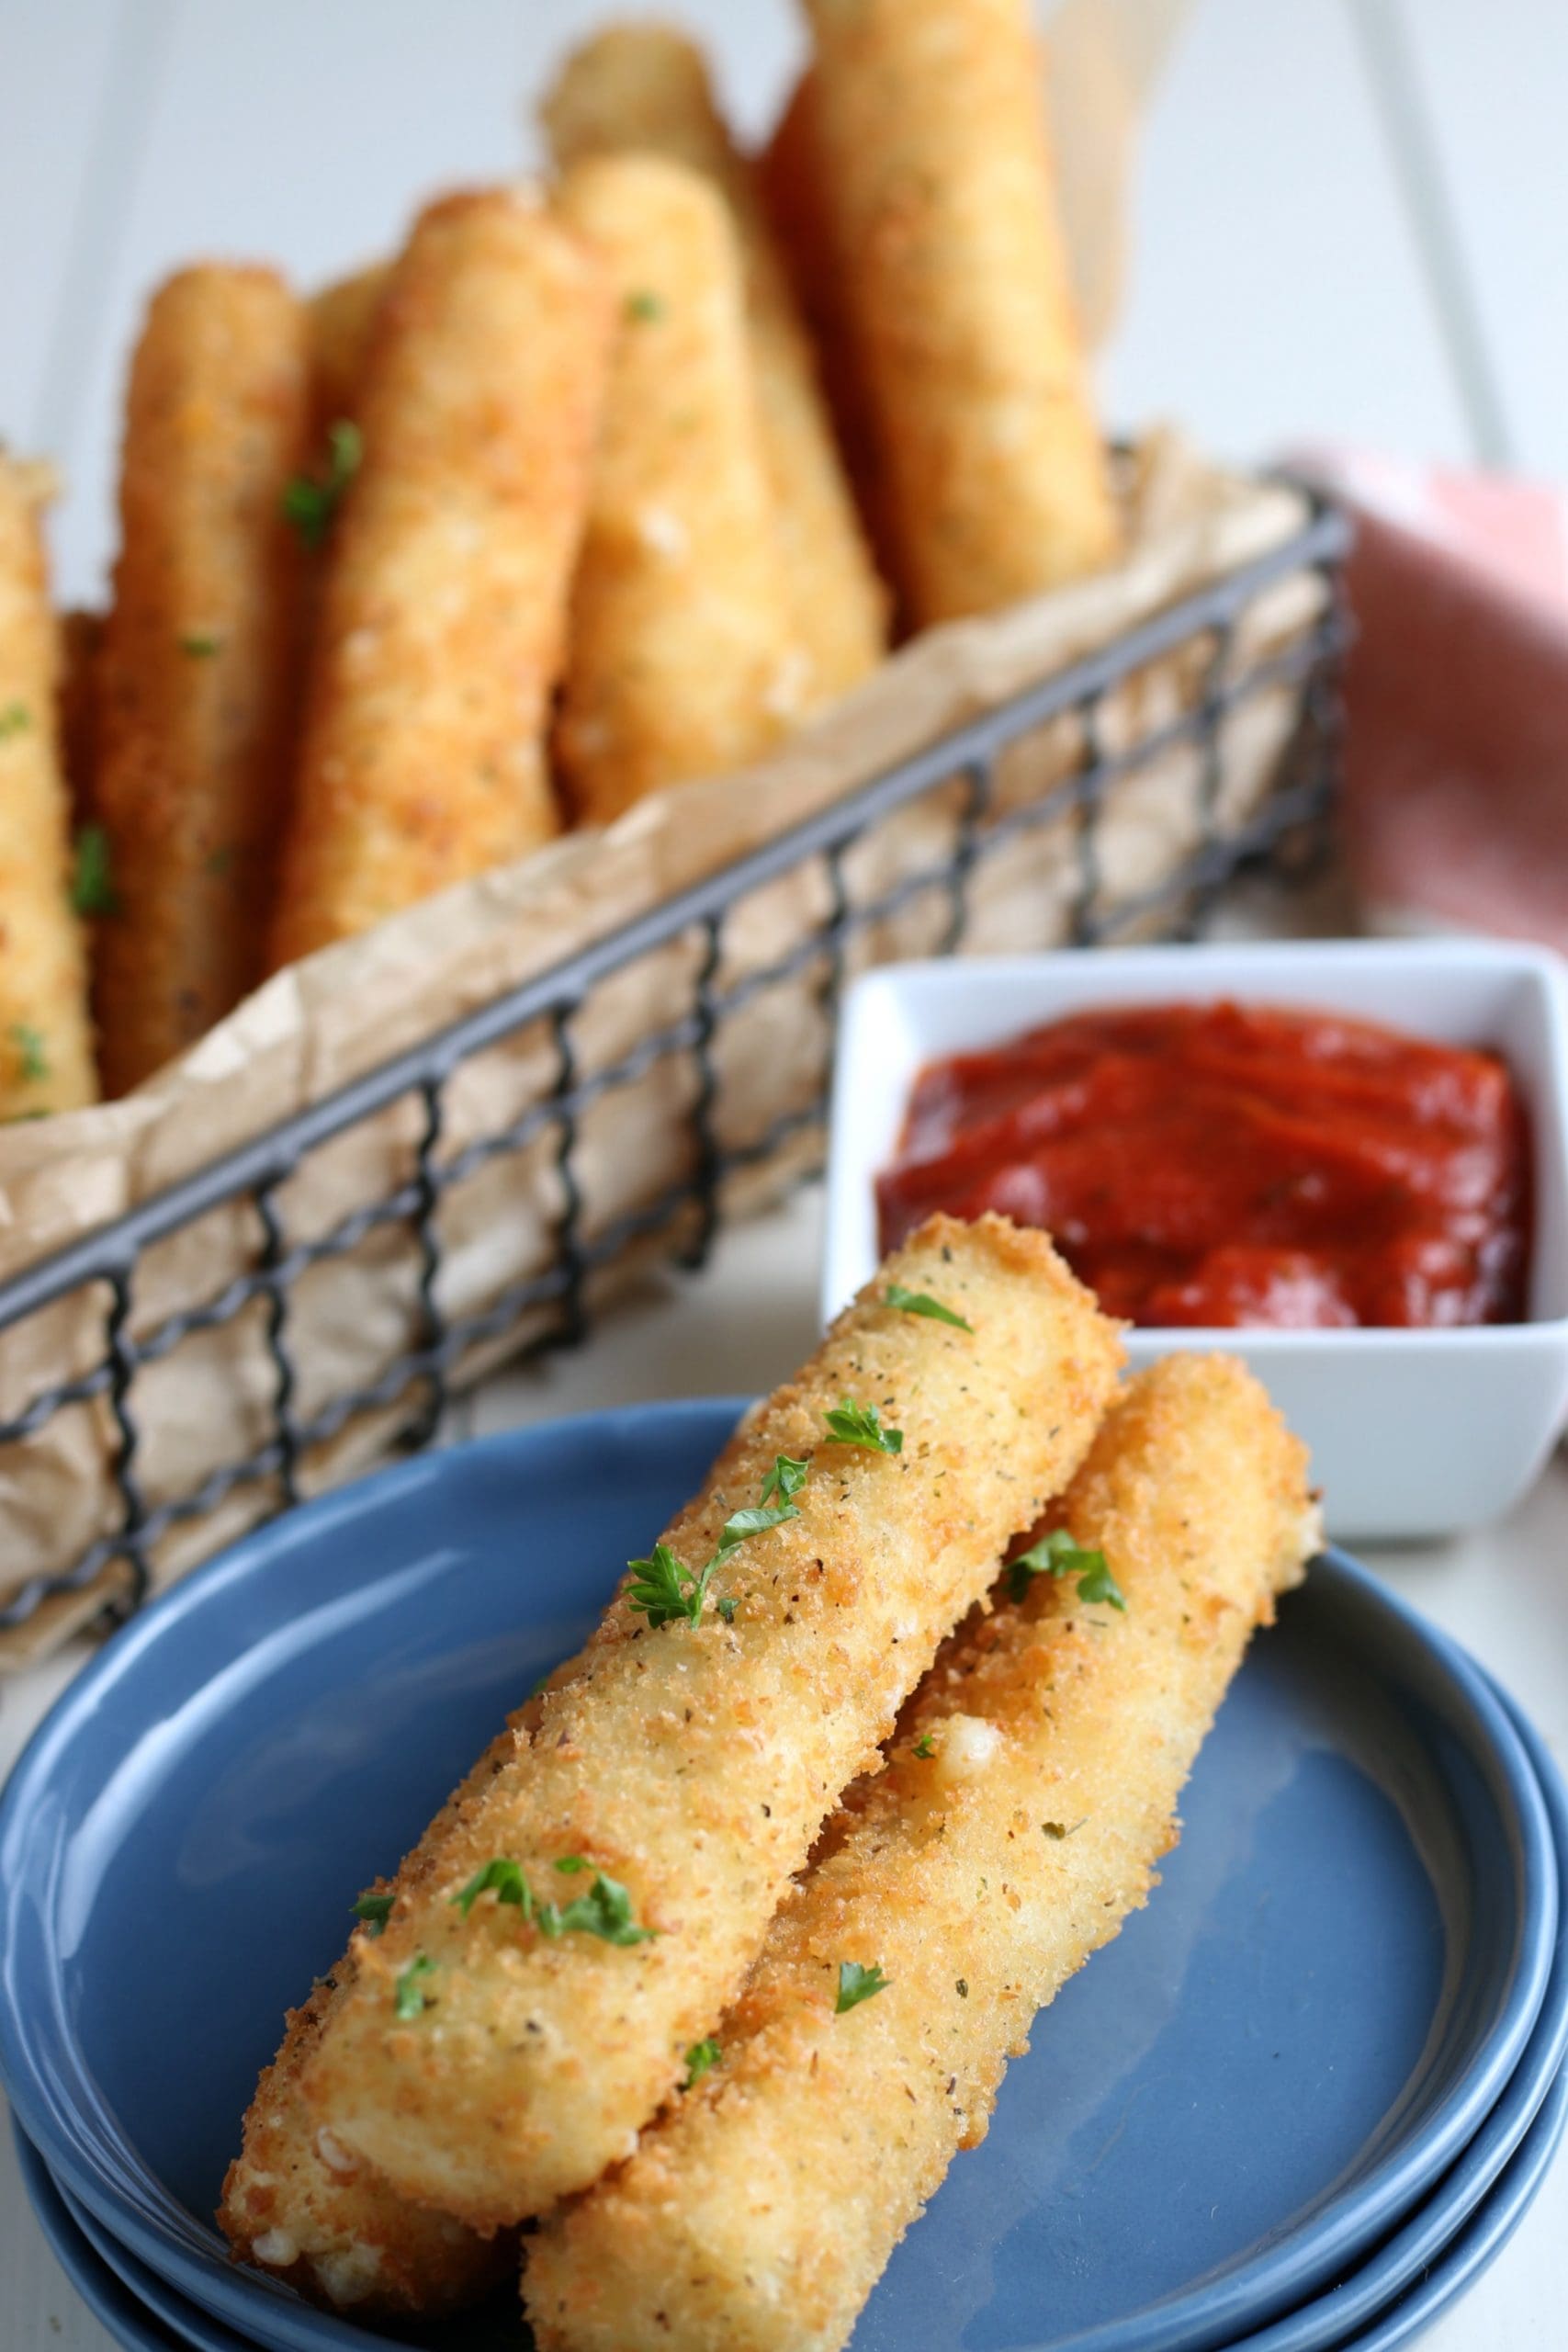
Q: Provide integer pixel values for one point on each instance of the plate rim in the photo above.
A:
(1264, 2284)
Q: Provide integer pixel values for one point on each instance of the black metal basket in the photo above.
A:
(1282, 834)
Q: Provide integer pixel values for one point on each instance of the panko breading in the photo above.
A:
(646, 87)
(1031, 1787)
(46, 1047)
(929, 129)
(443, 619)
(685, 661)
(489, 2068)
(199, 669)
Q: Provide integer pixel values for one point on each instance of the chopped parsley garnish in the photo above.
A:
(91, 878)
(409, 1996)
(32, 1057)
(502, 1878)
(644, 306)
(375, 1910)
(701, 2059)
(920, 1301)
(311, 500)
(1057, 1556)
(199, 645)
(727, 1604)
(15, 720)
(665, 1589)
(220, 861)
(857, 1984)
(861, 1425)
(924, 1748)
(604, 1911)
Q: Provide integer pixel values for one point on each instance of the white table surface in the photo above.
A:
(1351, 224)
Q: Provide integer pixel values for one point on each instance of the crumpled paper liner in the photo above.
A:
(211, 1398)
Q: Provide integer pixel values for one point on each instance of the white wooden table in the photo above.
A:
(1351, 224)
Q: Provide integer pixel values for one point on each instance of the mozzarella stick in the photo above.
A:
(684, 660)
(342, 317)
(46, 1049)
(442, 620)
(197, 680)
(525, 2011)
(76, 702)
(1031, 1787)
(932, 135)
(790, 179)
(299, 2205)
(645, 86)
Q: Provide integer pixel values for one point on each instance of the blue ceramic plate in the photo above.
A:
(1435, 2257)
(1264, 2074)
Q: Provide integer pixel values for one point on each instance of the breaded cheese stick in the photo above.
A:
(646, 87)
(790, 179)
(930, 131)
(46, 1047)
(1031, 1787)
(342, 317)
(443, 621)
(297, 2203)
(684, 660)
(523, 2015)
(76, 702)
(198, 674)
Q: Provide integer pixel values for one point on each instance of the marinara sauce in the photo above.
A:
(1232, 1164)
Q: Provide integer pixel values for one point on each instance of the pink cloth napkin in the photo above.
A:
(1457, 689)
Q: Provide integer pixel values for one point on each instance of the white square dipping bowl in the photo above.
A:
(1413, 1432)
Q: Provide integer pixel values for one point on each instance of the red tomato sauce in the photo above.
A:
(1231, 1164)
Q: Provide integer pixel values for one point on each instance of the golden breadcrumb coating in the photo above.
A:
(199, 669)
(931, 134)
(490, 2069)
(646, 87)
(759, 2210)
(46, 1045)
(342, 320)
(684, 660)
(442, 618)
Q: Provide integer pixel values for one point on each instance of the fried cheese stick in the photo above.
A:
(198, 673)
(46, 1046)
(342, 316)
(790, 179)
(443, 619)
(516, 2023)
(936, 174)
(297, 2203)
(1031, 1790)
(684, 660)
(645, 86)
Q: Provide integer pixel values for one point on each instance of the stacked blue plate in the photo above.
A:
(1296, 2107)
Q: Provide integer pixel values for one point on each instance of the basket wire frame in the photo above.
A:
(1286, 834)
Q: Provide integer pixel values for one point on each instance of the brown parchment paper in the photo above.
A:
(209, 1399)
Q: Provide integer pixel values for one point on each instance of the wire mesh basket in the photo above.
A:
(966, 845)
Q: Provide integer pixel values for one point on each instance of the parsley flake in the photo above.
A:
(311, 500)
(920, 1301)
(605, 1911)
(409, 1996)
(15, 720)
(857, 1984)
(570, 1864)
(644, 306)
(727, 1606)
(664, 1588)
(375, 1910)
(924, 1748)
(504, 1880)
(199, 645)
(861, 1425)
(33, 1056)
(1057, 1556)
(92, 878)
(701, 2059)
